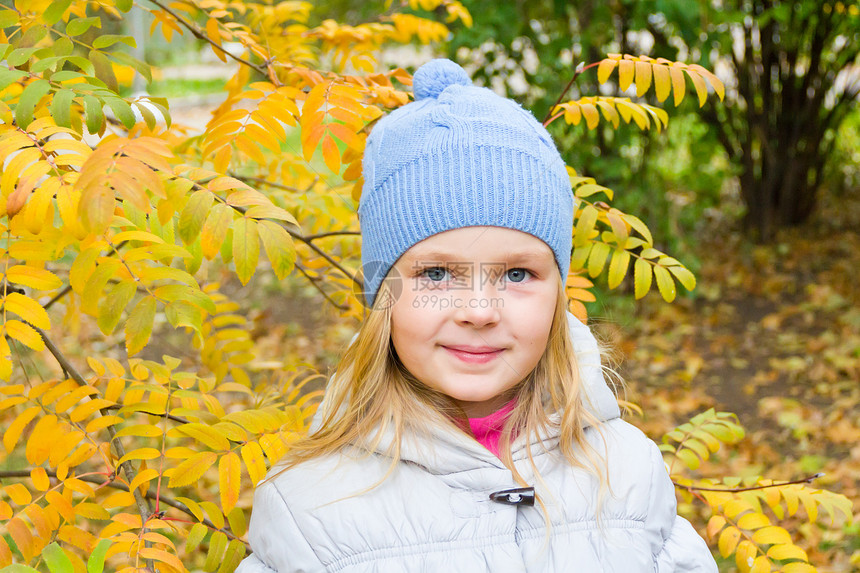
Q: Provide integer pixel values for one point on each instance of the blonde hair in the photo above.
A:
(372, 394)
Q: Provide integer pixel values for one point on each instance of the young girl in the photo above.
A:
(468, 427)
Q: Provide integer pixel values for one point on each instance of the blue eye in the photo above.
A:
(436, 274)
(517, 275)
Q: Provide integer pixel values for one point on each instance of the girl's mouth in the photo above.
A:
(474, 354)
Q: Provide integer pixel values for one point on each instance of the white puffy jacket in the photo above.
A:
(434, 512)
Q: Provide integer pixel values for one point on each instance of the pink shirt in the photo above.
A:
(488, 430)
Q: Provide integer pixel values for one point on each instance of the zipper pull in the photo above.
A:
(517, 496)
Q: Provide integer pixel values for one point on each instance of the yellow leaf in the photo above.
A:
(745, 555)
(331, 154)
(679, 85)
(229, 480)
(28, 309)
(61, 504)
(700, 85)
(40, 279)
(42, 439)
(641, 278)
(772, 535)
(40, 478)
(597, 258)
(206, 435)
(191, 469)
(787, 551)
(797, 568)
(662, 81)
(215, 229)
(626, 70)
(729, 540)
(23, 538)
(604, 70)
(19, 494)
(592, 116)
(761, 565)
(643, 77)
(715, 525)
(665, 284)
(753, 521)
(252, 455)
(25, 334)
(585, 225)
(140, 454)
(618, 267)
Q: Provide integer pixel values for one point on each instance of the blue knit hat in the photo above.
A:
(458, 156)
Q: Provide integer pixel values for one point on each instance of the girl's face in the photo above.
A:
(475, 312)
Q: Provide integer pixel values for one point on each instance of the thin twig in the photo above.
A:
(126, 466)
(313, 281)
(261, 181)
(332, 234)
(808, 479)
(576, 74)
(199, 34)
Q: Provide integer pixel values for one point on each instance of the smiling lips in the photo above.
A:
(474, 354)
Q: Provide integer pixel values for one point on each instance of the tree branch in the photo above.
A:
(126, 466)
(150, 494)
(808, 479)
(199, 34)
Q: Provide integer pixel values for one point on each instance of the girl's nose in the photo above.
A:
(478, 310)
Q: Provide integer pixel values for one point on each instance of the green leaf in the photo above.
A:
(18, 568)
(142, 68)
(194, 215)
(104, 70)
(279, 247)
(108, 40)
(8, 77)
(45, 63)
(31, 95)
(175, 292)
(246, 248)
(217, 545)
(78, 26)
(94, 113)
(113, 305)
(122, 111)
(641, 278)
(63, 47)
(19, 56)
(147, 115)
(82, 64)
(138, 327)
(8, 18)
(61, 107)
(55, 11)
(234, 554)
(56, 559)
(181, 313)
(96, 562)
(195, 536)
(124, 5)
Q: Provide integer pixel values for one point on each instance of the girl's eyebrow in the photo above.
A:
(508, 257)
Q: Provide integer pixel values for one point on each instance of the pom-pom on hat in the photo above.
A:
(458, 156)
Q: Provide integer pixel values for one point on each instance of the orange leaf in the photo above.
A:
(230, 480)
